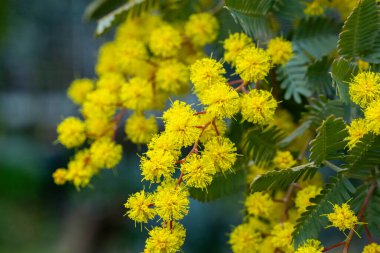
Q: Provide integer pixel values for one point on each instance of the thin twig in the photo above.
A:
(333, 246)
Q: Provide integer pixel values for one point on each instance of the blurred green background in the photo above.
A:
(44, 45)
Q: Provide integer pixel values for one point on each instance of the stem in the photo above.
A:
(333, 246)
(215, 127)
(367, 232)
(286, 201)
(217, 7)
(235, 81)
(332, 166)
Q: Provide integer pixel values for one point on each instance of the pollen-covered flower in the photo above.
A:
(171, 201)
(356, 130)
(137, 94)
(71, 132)
(281, 236)
(139, 207)
(253, 64)
(280, 50)
(372, 248)
(244, 239)
(129, 54)
(140, 129)
(310, 246)
(165, 142)
(106, 59)
(97, 127)
(258, 106)
(259, 204)
(172, 76)
(363, 65)
(217, 127)
(80, 169)
(201, 28)
(372, 116)
(222, 152)
(111, 81)
(99, 103)
(79, 89)
(158, 164)
(221, 101)
(343, 217)
(105, 153)
(233, 45)
(165, 41)
(314, 8)
(365, 88)
(283, 160)
(60, 176)
(198, 171)
(165, 239)
(302, 200)
(206, 72)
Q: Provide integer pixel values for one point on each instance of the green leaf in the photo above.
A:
(341, 73)
(281, 179)
(372, 214)
(252, 15)
(260, 144)
(360, 30)
(318, 77)
(100, 8)
(312, 221)
(329, 143)
(363, 158)
(374, 55)
(297, 132)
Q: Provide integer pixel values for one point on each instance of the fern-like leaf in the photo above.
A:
(341, 73)
(372, 214)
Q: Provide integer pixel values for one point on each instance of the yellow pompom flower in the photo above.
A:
(363, 65)
(137, 94)
(105, 153)
(302, 200)
(221, 101)
(165, 239)
(97, 127)
(372, 116)
(206, 72)
(71, 132)
(172, 76)
(258, 106)
(158, 164)
(198, 171)
(140, 129)
(253, 64)
(210, 131)
(343, 217)
(165, 41)
(79, 89)
(356, 130)
(365, 88)
(171, 201)
(372, 248)
(244, 239)
(106, 59)
(222, 152)
(284, 160)
(165, 142)
(281, 236)
(139, 207)
(99, 103)
(233, 45)
(111, 81)
(280, 50)
(310, 246)
(201, 28)
(314, 8)
(60, 176)
(259, 204)
(129, 55)
(80, 170)
(181, 122)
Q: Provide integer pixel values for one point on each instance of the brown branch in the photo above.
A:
(333, 246)
(235, 82)
(286, 201)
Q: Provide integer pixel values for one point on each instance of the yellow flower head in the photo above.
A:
(129, 55)
(172, 76)
(303, 197)
(71, 132)
(106, 59)
(139, 207)
(99, 103)
(105, 153)
(140, 129)
(356, 131)
(280, 50)
(310, 246)
(253, 64)
(165, 142)
(233, 45)
(81, 169)
(372, 116)
(137, 94)
(363, 65)
(158, 164)
(60, 176)
(171, 201)
(258, 106)
(259, 204)
(111, 81)
(210, 131)
(165, 41)
(282, 236)
(165, 239)
(372, 248)
(343, 217)
(201, 28)
(222, 152)
(79, 89)
(181, 122)
(244, 239)
(97, 127)
(198, 171)
(206, 72)
(284, 160)
(365, 88)
(314, 8)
